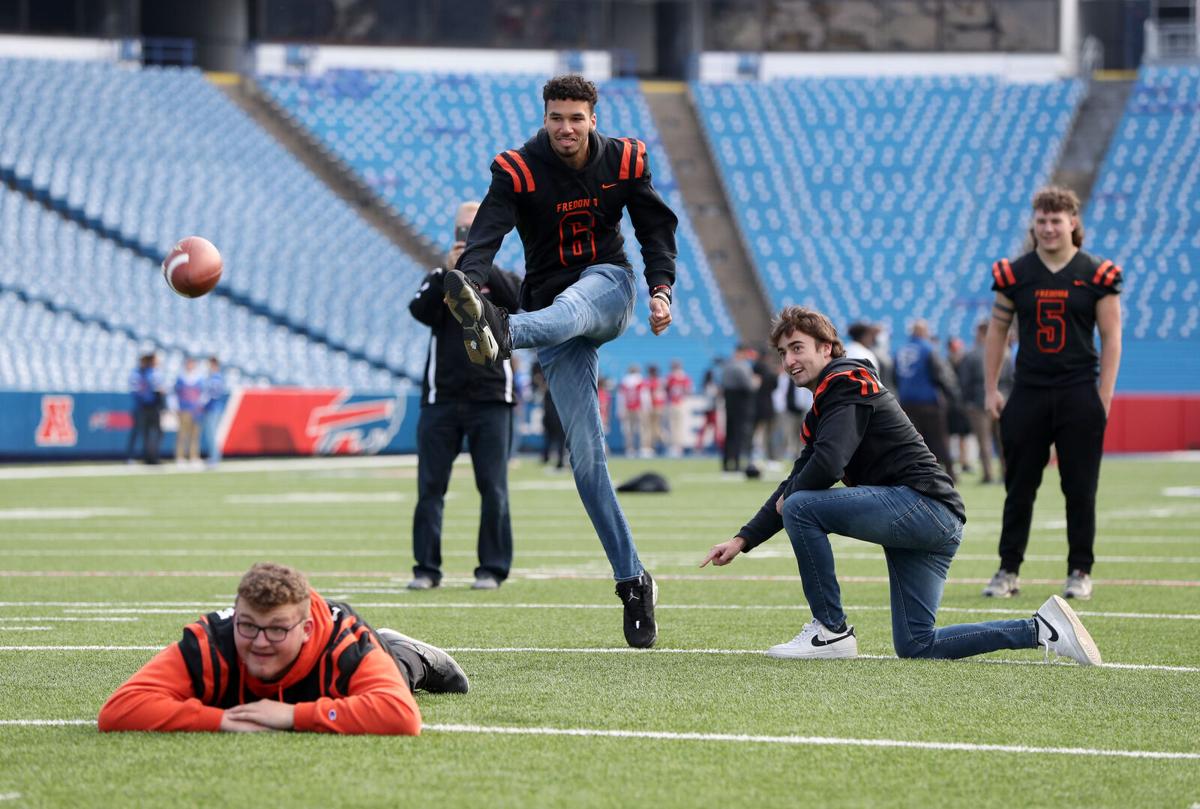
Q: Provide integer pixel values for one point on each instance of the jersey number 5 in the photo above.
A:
(1052, 329)
(576, 242)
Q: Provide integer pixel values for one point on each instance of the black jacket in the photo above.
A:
(449, 375)
(569, 220)
(856, 433)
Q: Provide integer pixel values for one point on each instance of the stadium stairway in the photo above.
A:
(1091, 132)
(696, 173)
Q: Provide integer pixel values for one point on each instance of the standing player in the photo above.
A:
(564, 191)
(1060, 295)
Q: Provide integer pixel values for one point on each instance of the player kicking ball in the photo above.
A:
(896, 495)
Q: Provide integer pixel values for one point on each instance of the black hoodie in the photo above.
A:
(856, 433)
(569, 220)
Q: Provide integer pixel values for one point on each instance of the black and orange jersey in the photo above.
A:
(857, 433)
(343, 681)
(570, 219)
(1056, 315)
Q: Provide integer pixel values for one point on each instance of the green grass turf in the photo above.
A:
(185, 538)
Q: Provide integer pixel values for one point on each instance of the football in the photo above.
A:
(193, 267)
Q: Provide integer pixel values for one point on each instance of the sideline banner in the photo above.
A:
(273, 421)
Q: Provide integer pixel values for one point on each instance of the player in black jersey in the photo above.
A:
(1062, 393)
(896, 495)
(564, 191)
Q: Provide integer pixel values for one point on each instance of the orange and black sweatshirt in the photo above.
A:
(344, 681)
(570, 219)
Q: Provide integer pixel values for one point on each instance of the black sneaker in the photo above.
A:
(639, 597)
(442, 674)
(485, 325)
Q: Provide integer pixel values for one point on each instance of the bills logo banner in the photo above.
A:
(335, 421)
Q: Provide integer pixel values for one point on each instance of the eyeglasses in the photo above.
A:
(274, 634)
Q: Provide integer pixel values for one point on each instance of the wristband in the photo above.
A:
(663, 293)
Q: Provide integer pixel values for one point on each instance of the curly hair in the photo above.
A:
(268, 585)
(810, 322)
(1058, 199)
(570, 87)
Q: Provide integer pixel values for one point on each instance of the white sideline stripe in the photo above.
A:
(821, 741)
(25, 629)
(475, 605)
(10, 796)
(625, 650)
(664, 735)
(72, 618)
(121, 469)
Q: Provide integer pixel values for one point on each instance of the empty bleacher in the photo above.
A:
(884, 199)
(145, 157)
(1145, 215)
(424, 142)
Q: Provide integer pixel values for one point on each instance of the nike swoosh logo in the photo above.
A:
(1053, 631)
(606, 186)
(1080, 284)
(816, 641)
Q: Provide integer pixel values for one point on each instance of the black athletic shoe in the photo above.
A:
(442, 674)
(485, 325)
(639, 597)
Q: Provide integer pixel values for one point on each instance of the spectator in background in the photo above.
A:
(797, 402)
(679, 388)
(956, 412)
(630, 393)
(604, 398)
(189, 403)
(766, 371)
(146, 387)
(970, 382)
(654, 402)
(460, 399)
(711, 391)
(862, 337)
(738, 385)
(926, 387)
(553, 437)
(215, 396)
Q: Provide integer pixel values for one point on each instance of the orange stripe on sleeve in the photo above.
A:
(996, 274)
(1008, 272)
(1099, 276)
(504, 164)
(520, 161)
(1111, 275)
(639, 165)
(625, 152)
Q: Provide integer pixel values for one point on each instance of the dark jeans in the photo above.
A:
(739, 410)
(919, 536)
(487, 427)
(147, 426)
(1073, 420)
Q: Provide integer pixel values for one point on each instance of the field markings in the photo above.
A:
(534, 574)
(117, 609)
(604, 650)
(87, 513)
(739, 738)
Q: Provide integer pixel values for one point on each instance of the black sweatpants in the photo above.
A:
(1073, 420)
(739, 414)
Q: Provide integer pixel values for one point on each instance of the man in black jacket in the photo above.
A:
(896, 495)
(460, 399)
(564, 191)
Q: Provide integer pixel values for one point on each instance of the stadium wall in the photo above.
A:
(56, 425)
(276, 59)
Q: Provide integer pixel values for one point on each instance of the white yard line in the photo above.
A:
(741, 738)
(551, 650)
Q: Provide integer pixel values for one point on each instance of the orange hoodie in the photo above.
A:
(377, 700)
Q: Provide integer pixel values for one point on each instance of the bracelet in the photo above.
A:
(663, 293)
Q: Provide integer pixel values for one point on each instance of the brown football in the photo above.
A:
(193, 267)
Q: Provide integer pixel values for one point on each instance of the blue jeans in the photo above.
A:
(919, 536)
(212, 420)
(487, 426)
(567, 334)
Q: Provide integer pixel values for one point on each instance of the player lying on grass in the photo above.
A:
(896, 495)
(283, 658)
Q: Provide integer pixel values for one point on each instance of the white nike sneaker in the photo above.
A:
(817, 641)
(1060, 631)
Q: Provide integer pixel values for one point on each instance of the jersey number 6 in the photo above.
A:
(576, 242)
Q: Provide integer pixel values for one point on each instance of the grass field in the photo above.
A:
(100, 571)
